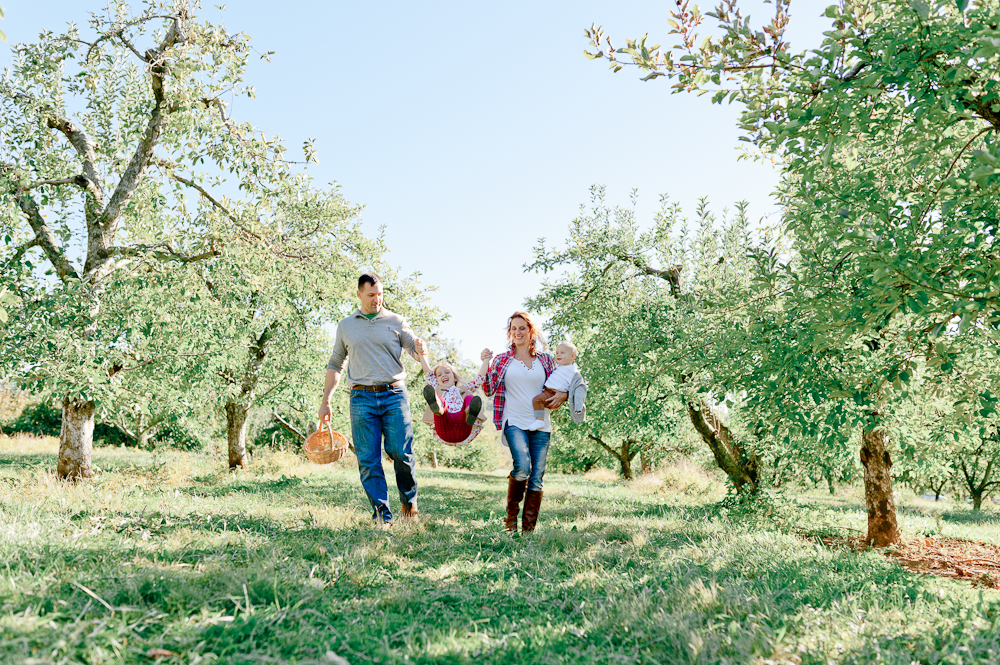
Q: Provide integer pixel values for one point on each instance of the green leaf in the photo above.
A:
(967, 318)
(962, 4)
(922, 7)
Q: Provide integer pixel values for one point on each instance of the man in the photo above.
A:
(375, 338)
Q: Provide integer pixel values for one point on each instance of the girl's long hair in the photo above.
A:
(535, 339)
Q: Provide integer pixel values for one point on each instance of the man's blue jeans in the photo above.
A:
(374, 415)
(529, 450)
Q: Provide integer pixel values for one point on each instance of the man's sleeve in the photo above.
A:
(407, 339)
(339, 352)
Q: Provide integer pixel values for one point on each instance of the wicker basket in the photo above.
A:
(324, 446)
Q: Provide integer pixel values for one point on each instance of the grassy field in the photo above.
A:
(169, 552)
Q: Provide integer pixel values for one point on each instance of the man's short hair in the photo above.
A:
(368, 278)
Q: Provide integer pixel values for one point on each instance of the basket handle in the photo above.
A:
(329, 428)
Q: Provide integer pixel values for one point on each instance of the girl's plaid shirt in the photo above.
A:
(494, 386)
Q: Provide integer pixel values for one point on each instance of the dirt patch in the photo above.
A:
(978, 563)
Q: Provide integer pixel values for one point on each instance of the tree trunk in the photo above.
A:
(829, 483)
(882, 529)
(626, 461)
(729, 452)
(434, 459)
(76, 439)
(645, 462)
(236, 433)
(977, 500)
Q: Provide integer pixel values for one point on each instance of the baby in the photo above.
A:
(454, 406)
(562, 379)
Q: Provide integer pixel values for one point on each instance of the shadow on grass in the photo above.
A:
(552, 596)
(25, 461)
(969, 517)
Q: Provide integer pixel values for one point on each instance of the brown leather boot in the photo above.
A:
(409, 512)
(532, 502)
(515, 492)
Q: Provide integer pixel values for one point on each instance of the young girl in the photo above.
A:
(456, 410)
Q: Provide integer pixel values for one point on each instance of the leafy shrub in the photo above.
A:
(42, 419)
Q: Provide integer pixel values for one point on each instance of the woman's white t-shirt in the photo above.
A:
(522, 384)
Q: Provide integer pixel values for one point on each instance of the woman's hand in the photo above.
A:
(486, 355)
(557, 399)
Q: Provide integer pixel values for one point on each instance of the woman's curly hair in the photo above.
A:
(535, 342)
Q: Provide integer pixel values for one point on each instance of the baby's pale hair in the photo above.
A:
(569, 345)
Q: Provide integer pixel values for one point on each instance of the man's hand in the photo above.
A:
(557, 399)
(324, 413)
(420, 347)
(486, 355)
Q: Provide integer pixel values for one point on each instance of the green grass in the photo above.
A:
(282, 565)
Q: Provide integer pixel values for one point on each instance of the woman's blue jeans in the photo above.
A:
(378, 415)
(529, 450)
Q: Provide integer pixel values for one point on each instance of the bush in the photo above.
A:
(41, 419)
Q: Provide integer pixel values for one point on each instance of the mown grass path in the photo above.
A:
(282, 565)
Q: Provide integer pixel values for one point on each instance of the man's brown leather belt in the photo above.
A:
(378, 388)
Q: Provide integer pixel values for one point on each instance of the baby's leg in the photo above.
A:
(538, 403)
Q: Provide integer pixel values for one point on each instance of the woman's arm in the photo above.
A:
(492, 380)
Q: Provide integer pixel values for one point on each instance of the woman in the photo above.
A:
(514, 378)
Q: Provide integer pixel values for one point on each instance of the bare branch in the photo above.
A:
(144, 151)
(120, 33)
(611, 450)
(85, 149)
(672, 274)
(45, 239)
(286, 425)
(163, 251)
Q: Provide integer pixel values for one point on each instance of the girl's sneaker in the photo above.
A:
(475, 406)
(432, 399)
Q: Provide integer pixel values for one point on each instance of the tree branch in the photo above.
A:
(286, 425)
(611, 450)
(163, 251)
(20, 251)
(144, 151)
(45, 239)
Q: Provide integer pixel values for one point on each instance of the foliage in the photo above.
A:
(886, 137)
(652, 313)
(41, 418)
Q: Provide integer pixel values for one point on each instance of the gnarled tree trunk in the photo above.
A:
(645, 462)
(236, 433)
(76, 439)
(729, 452)
(882, 529)
(626, 460)
(629, 449)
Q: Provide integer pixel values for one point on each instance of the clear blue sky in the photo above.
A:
(470, 129)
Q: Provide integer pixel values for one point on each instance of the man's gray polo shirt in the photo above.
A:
(375, 347)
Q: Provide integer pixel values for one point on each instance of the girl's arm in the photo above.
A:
(480, 379)
(428, 372)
